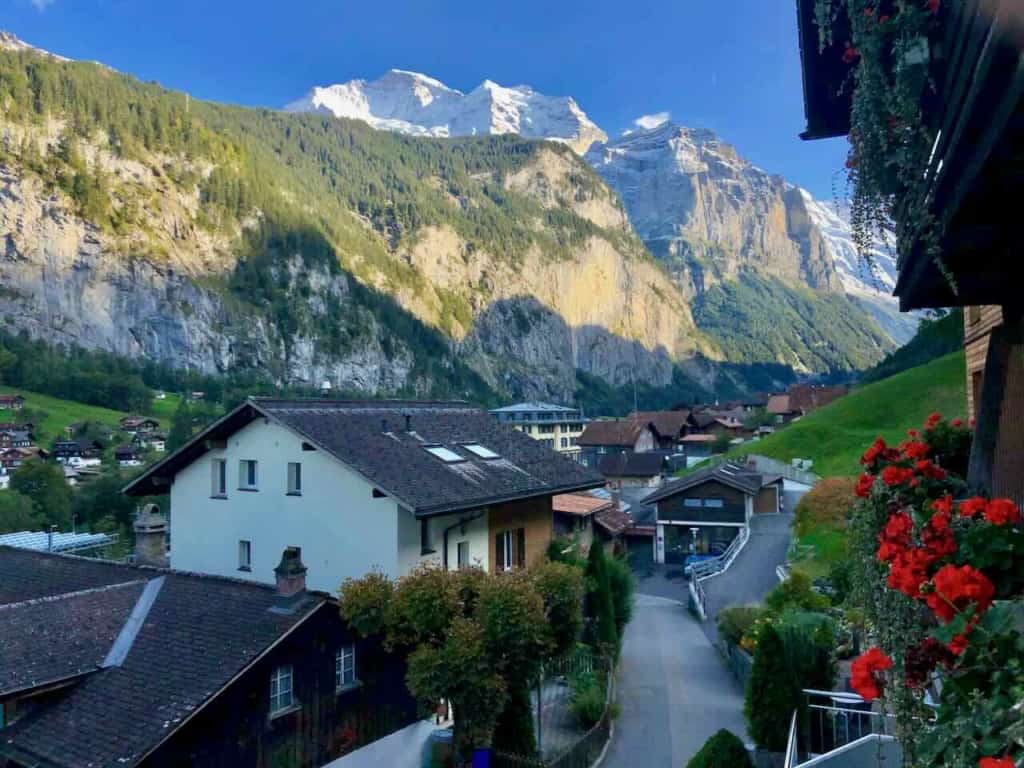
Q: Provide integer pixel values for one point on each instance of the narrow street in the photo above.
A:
(674, 691)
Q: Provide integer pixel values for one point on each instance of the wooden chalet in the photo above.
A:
(973, 180)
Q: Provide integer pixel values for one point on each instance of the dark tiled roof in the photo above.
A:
(620, 432)
(734, 475)
(50, 639)
(198, 634)
(613, 520)
(667, 423)
(27, 576)
(371, 438)
(630, 464)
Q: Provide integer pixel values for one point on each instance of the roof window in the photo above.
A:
(446, 455)
(482, 451)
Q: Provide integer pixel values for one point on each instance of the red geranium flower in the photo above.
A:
(973, 507)
(893, 475)
(883, 18)
(850, 55)
(926, 468)
(910, 570)
(997, 762)
(921, 660)
(938, 537)
(864, 485)
(866, 673)
(957, 423)
(876, 449)
(913, 433)
(933, 420)
(1002, 512)
(914, 449)
(895, 537)
(943, 505)
(957, 588)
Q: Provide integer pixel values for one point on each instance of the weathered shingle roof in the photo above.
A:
(734, 475)
(779, 405)
(630, 464)
(386, 441)
(667, 423)
(199, 632)
(613, 520)
(581, 504)
(619, 432)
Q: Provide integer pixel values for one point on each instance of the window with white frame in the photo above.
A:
(714, 503)
(247, 475)
(218, 478)
(244, 555)
(691, 502)
(345, 667)
(281, 696)
(503, 551)
(294, 478)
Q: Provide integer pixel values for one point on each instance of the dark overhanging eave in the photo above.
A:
(437, 510)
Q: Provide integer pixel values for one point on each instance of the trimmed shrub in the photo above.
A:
(620, 579)
(588, 699)
(772, 693)
(735, 621)
(723, 750)
(601, 632)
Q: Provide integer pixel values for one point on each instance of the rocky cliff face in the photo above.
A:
(708, 213)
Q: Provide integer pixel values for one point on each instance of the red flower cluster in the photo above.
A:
(932, 6)
(933, 419)
(914, 449)
(850, 55)
(894, 475)
(937, 536)
(996, 762)
(933, 472)
(996, 511)
(895, 537)
(909, 570)
(866, 673)
(955, 589)
(864, 485)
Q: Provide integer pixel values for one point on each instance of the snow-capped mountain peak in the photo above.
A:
(415, 104)
(11, 42)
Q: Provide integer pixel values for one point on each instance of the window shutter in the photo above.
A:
(499, 553)
(521, 547)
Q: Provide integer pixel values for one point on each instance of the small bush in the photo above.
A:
(772, 693)
(723, 750)
(796, 593)
(588, 699)
(735, 621)
(825, 505)
(620, 579)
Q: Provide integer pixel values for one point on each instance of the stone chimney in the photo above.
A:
(151, 537)
(291, 573)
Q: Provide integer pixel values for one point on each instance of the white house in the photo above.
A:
(359, 486)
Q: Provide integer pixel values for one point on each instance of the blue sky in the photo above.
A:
(728, 65)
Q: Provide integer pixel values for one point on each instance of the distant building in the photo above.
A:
(556, 426)
(636, 470)
(11, 402)
(64, 450)
(801, 399)
(979, 323)
(15, 439)
(360, 485)
(138, 424)
(703, 512)
(615, 436)
(128, 456)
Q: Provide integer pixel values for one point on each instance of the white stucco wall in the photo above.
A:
(409, 546)
(343, 531)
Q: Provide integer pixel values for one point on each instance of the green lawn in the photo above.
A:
(835, 436)
(61, 413)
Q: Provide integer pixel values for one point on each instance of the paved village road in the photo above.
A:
(673, 689)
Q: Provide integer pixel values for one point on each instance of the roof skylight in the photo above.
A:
(482, 451)
(446, 455)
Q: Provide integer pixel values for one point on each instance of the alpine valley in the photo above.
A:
(398, 236)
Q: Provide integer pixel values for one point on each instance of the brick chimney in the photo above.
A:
(291, 573)
(151, 537)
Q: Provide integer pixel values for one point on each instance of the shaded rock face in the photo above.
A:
(60, 281)
(707, 212)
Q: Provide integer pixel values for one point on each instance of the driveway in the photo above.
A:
(752, 574)
(673, 689)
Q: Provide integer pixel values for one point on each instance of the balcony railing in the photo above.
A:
(840, 729)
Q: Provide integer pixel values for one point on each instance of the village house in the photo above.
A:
(12, 458)
(556, 426)
(801, 399)
(615, 436)
(138, 424)
(703, 512)
(590, 516)
(10, 438)
(360, 485)
(636, 470)
(128, 456)
(64, 450)
(979, 322)
(11, 402)
(150, 441)
(146, 666)
(669, 426)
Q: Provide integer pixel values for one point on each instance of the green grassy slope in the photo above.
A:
(835, 436)
(60, 413)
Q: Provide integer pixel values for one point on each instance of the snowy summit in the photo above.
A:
(412, 103)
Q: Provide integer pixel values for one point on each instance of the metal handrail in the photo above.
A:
(791, 744)
(710, 567)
